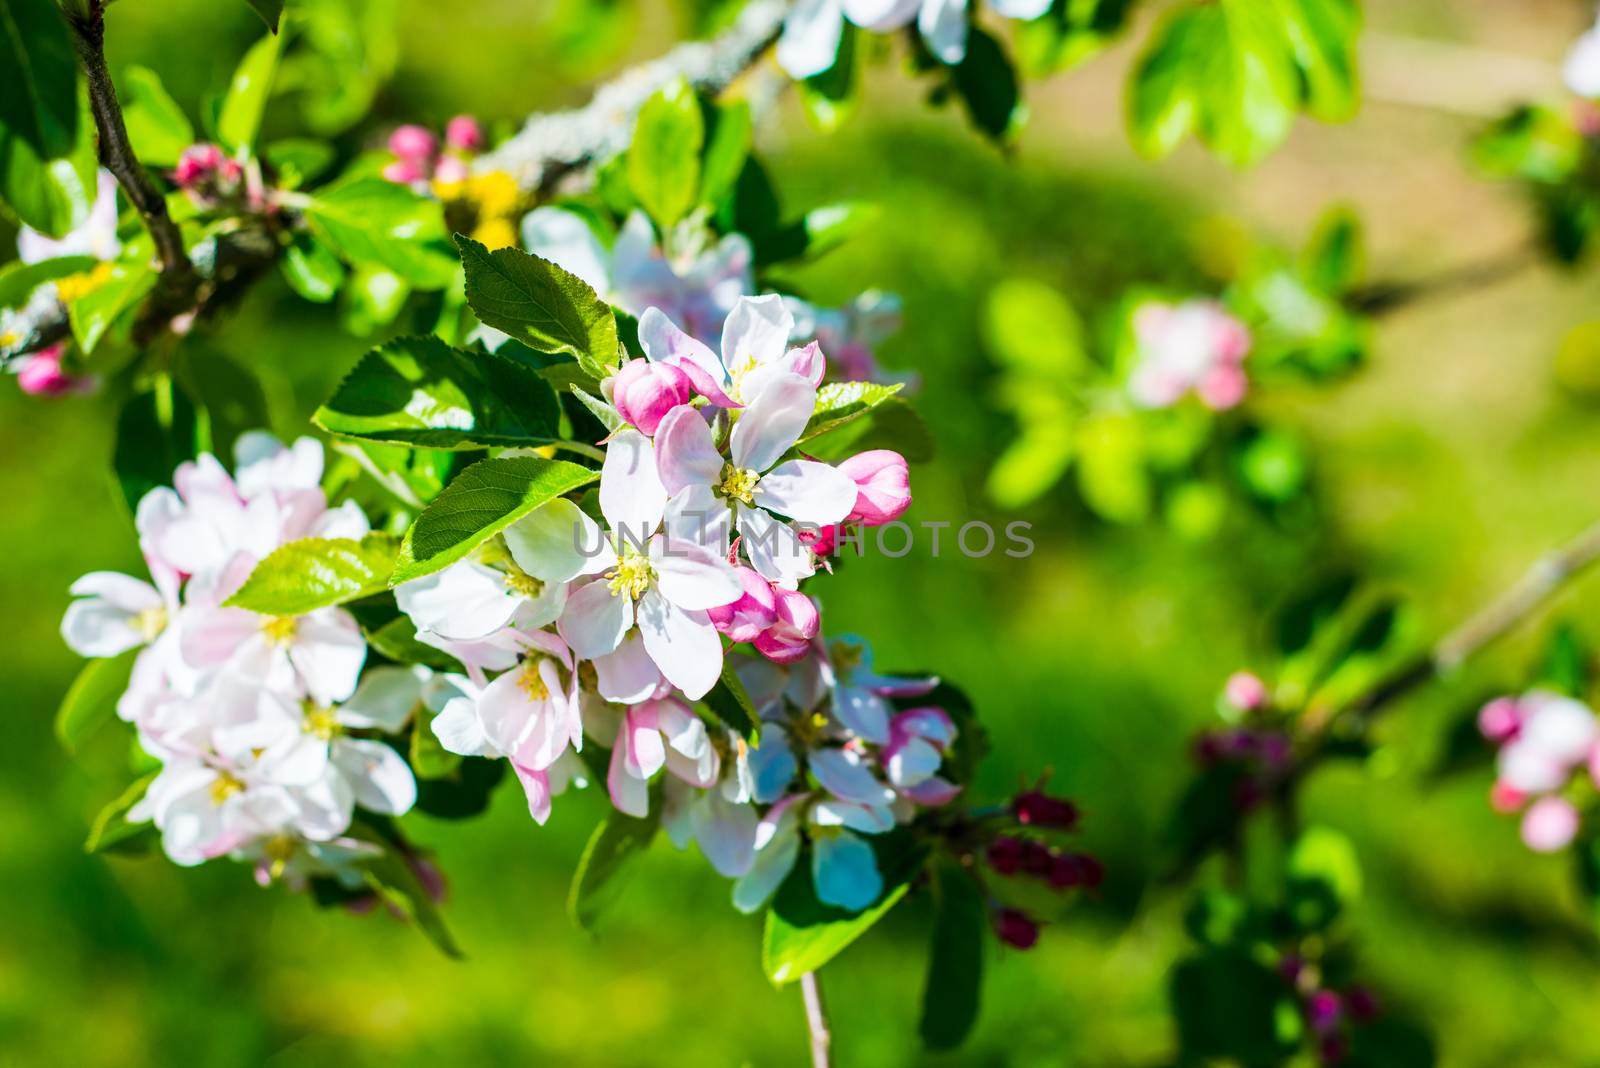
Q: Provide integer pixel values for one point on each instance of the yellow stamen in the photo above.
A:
(223, 787)
(737, 484)
(321, 722)
(74, 286)
(519, 581)
(632, 575)
(280, 629)
(279, 850)
(531, 682)
(151, 622)
(9, 338)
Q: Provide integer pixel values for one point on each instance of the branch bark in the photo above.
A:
(550, 147)
(816, 1020)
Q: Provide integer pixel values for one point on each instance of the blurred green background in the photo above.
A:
(1445, 466)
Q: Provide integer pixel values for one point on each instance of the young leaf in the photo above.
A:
(157, 126)
(420, 391)
(608, 862)
(605, 413)
(727, 147)
(239, 119)
(96, 311)
(385, 224)
(481, 502)
(955, 961)
(155, 433)
(313, 573)
(1323, 876)
(311, 269)
(91, 700)
(392, 877)
(830, 98)
(540, 304)
(40, 103)
(18, 280)
(802, 934)
(839, 403)
(269, 10)
(664, 158)
(111, 830)
(730, 703)
(397, 640)
(464, 793)
(429, 759)
(1322, 36)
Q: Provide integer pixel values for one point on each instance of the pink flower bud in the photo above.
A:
(1324, 1010)
(464, 133)
(1016, 928)
(1005, 855)
(414, 143)
(42, 376)
(1038, 859)
(1245, 691)
(821, 541)
(883, 486)
(1549, 825)
(1035, 809)
(645, 392)
(1500, 719)
(1503, 797)
(755, 610)
(198, 163)
(451, 169)
(789, 639)
(1223, 387)
(403, 171)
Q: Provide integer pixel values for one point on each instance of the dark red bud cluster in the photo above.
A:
(1009, 855)
(1033, 808)
(1016, 928)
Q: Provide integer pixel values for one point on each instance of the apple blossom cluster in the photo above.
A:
(267, 733)
(1549, 755)
(813, 29)
(1193, 347)
(698, 284)
(571, 628)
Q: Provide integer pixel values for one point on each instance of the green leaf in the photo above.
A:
(1111, 471)
(397, 640)
(420, 391)
(52, 195)
(313, 573)
(465, 792)
(298, 160)
(802, 934)
(157, 126)
(664, 158)
(954, 985)
(730, 703)
(820, 230)
(1032, 464)
(727, 147)
(1322, 39)
(893, 424)
(1032, 328)
(429, 759)
(373, 298)
(831, 98)
(839, 403)
(111, 831)
(40, 103)
(608, 416)
(96, 311)
(1323, 877)
(986, 82)
(312, 269)
(1566, 663)
(540, 304)
(1227, 1006)
(608, 863)
(239, 119)
(91, 700)
(229, 393)
(155, 433)
(18, 280)
(481, 502)
(385, 224)
(271, 11)
(1071, 32)
(1335, 257)
(392, 877)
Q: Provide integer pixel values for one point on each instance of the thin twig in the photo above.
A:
(116, 153)
(816, 1020)
(1380, 298)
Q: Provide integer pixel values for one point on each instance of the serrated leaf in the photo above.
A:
(608, 863)
(664, 157)
(419, 391)
(839, 403)
(730, 703)
(239, 118)
(371, 221)
(157, 127)
(540, 304)
(802, 934)
(91, 700)
(111, 829)
(950, 996)
(314, 573)
(40, 103)
(609, 417)
(478, 504)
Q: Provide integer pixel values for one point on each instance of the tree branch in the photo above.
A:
(88, 37)
(1380, 298)
(550, 147)
(816, 1020)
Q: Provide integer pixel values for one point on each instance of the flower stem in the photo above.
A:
(816, 1019)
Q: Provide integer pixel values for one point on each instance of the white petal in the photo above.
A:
(122, 591)
(943, 25)
(684, 644)
(631, 495)
(328, 652)
(664, 342)
(807, 491)
(627, 675)
(696, 515)
(595, 620)
(767, 871)
(863, 713)
(566, 240)
(557, 542)
(773, 422)
(726, 833)
(385, 698)
(686, 455)
(757, 331)
(881, 15)
(692, 576)
(464, 602)
(95, 627)
(844, 773)
(810, 41)
(846, 871)
(458, 729)
(775, 550)
(381, 781)
(506, 712)
(1020, 9)
(772, 764)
